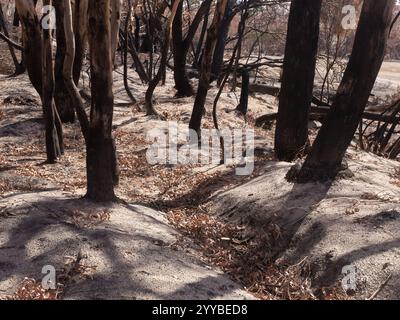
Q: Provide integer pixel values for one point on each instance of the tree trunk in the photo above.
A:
(365, 61)
(53, 148)
(197, 55)
(182, 83)
(163, 61)
(80, 33)
(218, 56)
(19, 68)
(126, 84)
(32, 42)
(102, 173)
(244, 94)
(115, 24)
(73, 91)
(181, 47)
(291, 133)
(62, 97)
(205, 72)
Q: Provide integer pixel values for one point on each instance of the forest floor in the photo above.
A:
(187, 231)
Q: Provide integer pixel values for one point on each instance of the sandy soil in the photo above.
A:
(353, 221)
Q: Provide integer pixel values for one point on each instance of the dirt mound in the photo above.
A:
(350, 222)
(126, 251)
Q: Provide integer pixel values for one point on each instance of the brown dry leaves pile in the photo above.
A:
(74, 269)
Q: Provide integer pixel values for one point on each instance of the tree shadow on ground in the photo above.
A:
(45, 233)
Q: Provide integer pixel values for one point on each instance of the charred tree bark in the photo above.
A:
(291, 135)
(137, 32)
(182, 83)
(53, 148)
(339, 127)
(163, 62)
(197, 55)
(102, 172)
(32, 42)
(244, 94)
(205, 72)
(73, 91)
(218, 56)
(126, 84)
(115, 24)
(19, 68)
(181, 47)
(62, 97)
(80, 33)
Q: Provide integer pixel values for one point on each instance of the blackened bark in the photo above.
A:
(244, 94)
(102, 172)
(80, 33)
(181, 47)
(19, 68)
(163, 61)
(137, 32)
(182, 83)
(205, 72)
(223, 32)
(291, 133)
(62, 97)
(197, 55)
(339, 127)
(53, 148)
(32, 42)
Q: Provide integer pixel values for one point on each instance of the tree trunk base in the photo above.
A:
(308, 174)
(102, 170)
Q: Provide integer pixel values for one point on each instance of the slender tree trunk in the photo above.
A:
(182, 83)
(218, 56)
(32, 42)
(19, 68)
(53, 149)
(115, 24)
(291, 135)
(244, 94)
(340, 125)
(205, 72)
(127, 21)
(137, 33)
(73, 91)
(80, 33)
(197, 55)
(102, 172)
(181, 47)
(163, 63)
(62, 97)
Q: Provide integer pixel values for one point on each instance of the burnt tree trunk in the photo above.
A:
(197, 54)
(205, 71)
(62, 97)
(218, 56)
(80, 33)
(163, 61)
(244, 94)
(19, 68)
(53, 148)
(365, 61)
(32, 42)
(101, 160)
(68, 68)
(182, 83)
(291, 135)
(181, 47)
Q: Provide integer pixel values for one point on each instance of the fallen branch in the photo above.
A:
(383, 284)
